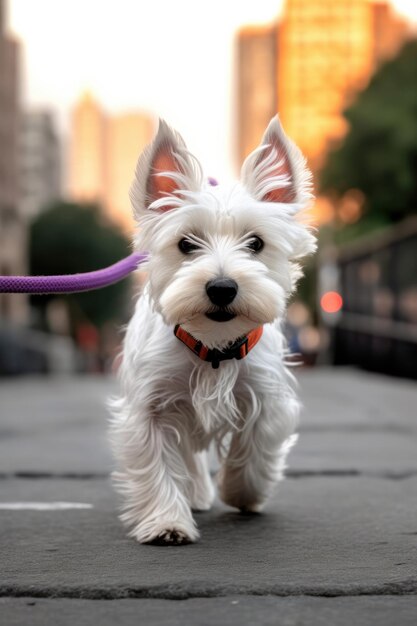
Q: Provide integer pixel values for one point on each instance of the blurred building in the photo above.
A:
(103, 153)
(257, 58)
(326, 52)
(39, 162)
(326, 55)
(87, 173)
(390, 31)
(13, 308)
(127, 135)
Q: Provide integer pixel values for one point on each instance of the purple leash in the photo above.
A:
(72, 283)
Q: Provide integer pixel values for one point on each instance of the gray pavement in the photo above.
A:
(336, 545)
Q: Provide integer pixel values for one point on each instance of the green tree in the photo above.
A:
(379, 154)
(69, 238)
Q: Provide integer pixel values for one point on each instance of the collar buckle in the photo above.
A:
(234, 351)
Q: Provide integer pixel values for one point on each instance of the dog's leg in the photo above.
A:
(255, 462)
(155, 480)
(203, 492)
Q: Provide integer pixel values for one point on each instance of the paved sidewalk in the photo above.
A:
(336, 545)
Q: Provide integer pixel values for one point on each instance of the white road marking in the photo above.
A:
(43, 506)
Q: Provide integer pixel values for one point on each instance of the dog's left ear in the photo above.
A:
(164, 170)
(276, 171)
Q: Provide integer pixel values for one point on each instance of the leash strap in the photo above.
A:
(72, 283)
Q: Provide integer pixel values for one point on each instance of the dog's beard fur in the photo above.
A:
(173, 404)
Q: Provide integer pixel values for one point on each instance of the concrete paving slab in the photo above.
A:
(31, 403)
(384, 453)
(55, 425)
(356, 421)
(319, 536)
(77, 448)
(228, 611)
(58, 425)
(350, 399)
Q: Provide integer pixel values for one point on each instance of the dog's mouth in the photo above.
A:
(220, 315)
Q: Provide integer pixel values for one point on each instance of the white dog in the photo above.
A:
(222, 262)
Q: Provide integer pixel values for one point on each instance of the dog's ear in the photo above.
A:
(164, 169)
(276, 171)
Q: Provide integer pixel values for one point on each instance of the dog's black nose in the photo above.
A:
(221, 291)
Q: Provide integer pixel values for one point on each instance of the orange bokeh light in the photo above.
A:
(331, 302)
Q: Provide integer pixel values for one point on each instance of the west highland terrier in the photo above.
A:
(204, 354)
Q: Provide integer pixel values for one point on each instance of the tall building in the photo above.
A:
(127, 135)
(103, 153)
(257, 60)
(13, 307)
(87, 151)
(326, 52)
(389, 30)
(39, 162)
(325, 57)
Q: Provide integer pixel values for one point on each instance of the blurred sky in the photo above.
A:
(171, 57)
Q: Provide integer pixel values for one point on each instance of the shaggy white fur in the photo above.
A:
(172, 403)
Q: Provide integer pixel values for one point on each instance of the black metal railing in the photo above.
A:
(377, 327)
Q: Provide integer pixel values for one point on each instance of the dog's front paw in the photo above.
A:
(245, 506)
(171, 537)
(166, 533)
(250, 509)
(239, 495)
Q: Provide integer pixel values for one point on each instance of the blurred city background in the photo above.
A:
(81, 88)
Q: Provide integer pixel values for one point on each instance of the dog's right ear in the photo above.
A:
(164, 170)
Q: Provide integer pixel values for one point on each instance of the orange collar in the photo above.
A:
(237, 350)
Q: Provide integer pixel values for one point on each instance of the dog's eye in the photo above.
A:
(186, 246)
(255, 244)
